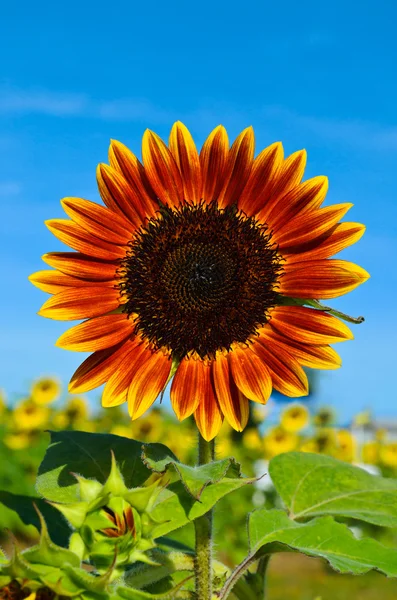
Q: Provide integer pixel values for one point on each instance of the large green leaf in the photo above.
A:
(192, 491)
(272, 530)
(313, 485)
(89, 455)
(58, 529)
(195, 479)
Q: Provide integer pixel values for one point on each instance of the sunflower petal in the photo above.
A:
(208, 415)
(80, 303)
(161, 169)
(308, 355)
(98, 368)
(116, 389)
(287, 375)
(321, 279)
(76, 237)
(231, 400)
(81, 266)
(288, 177)
(147, 382)
(213, 157)
(126, 163)
(186, 156)
(189, 385)
(98, 220)
(304, 197)
(97, 334)
(238, 167)
(309, 226)
(250, 374)
(342, 236)
(53, 282)
(308, 325)
(262, 179)
(117, 193)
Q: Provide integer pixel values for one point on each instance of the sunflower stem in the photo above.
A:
(261, 571)
(203, 527)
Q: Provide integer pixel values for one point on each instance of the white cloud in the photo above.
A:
(36, 100)
(9, 188)
(353, 132)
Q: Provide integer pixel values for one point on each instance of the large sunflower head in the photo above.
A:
(198, 268)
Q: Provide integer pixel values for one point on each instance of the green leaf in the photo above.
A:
(272, 530)
(194, 479)
(89, 455)
(313, 484)
(58, 529)
(175, 507)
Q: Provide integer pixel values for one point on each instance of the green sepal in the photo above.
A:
(287, 301)
(74, 513)
(48, 553)
(88, 488)
(114, 484)
(77, 545)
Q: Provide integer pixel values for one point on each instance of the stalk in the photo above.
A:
(203, 527)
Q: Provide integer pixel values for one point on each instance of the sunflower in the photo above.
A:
(45, 390)
(370, 452)
(388, 454)
(28, 416)
(277, 440)
(346, 445)
(197, 269)
(295, 417)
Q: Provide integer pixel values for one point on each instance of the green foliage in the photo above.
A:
(23, 506)
(272, 531)
(313, 485)
(89, 455)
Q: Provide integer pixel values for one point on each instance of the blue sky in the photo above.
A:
(314, 75)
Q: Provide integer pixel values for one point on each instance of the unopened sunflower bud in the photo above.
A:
(112, 523)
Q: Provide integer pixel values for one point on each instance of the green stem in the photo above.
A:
(261, 570)
(203, 527)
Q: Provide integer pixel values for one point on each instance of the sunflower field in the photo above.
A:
(271, 431)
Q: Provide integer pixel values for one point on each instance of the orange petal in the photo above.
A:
(308, 355)
(232, 402)
(250, 374)
(189, 386)
(80, 303)
(262, 179)
(98, 220)
(96, 334)
(117, 193)
(238, 167)
(116, 389)
(288, 177)
(147, 382)
(76, 237)
(213, 157)
(161, 169)
(125, 162)
(309, 225)
(81, 266)
(98, 368)
(342, 236)
(309, 325)
(321, 279)
(186, 156)
(287, 375)
(208, 415)
(53, 282)
(306, 196)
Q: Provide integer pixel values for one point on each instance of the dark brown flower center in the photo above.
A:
(199, 278)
